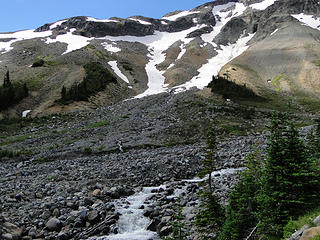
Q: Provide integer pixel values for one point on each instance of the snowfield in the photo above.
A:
(262, 5)
(74, 42)
(117, 71)
(308, 20)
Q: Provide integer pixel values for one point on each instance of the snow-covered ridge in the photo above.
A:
(179, 15)
(74, 41)
(139, 21)
(262, 5)
(91, 19)
(308, 20)
(19, 36)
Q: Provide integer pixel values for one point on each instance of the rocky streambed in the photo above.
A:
(92, 174)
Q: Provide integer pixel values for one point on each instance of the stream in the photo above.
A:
(132, 223)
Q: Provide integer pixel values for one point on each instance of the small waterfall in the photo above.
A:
(132, 223)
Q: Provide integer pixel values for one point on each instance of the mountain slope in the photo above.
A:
(272, 45)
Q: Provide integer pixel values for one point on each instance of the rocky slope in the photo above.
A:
(271, 46)
(69, 173)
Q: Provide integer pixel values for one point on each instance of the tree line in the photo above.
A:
(11, 94)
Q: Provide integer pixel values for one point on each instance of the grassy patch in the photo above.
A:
(316, 62)
(51, 178)
(98, 124)
(294, 225)
(126, 116)
(276, 82)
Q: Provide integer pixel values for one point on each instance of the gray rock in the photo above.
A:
(53, 224)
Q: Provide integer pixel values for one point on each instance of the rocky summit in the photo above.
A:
(105, 130)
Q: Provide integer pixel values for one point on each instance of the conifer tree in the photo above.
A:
(289, 183)
(242, 203)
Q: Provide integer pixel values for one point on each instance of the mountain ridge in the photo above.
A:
(181, 50)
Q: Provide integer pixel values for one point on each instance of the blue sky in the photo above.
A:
(29, 14)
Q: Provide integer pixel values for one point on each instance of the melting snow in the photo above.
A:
(225, 54)
(182, 52)
(157, 44)
(308, 20)
(91, 19)
(19, 36)
(74, 41)
(224, 17)
(57, 24)
(274, 32)
(262, 5)
(117, 71)
(25, 113)
(140, 21)
(111, 47)
(179, 15)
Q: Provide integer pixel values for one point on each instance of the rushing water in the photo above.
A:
(132, 224)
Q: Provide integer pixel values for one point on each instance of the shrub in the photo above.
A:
(39, 63)
(96, 79)
(228, 89)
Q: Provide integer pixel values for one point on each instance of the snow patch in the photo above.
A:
(182, 52)
(111, 47)
(57, 24)
(74, 42)
(274, 32)
(235, 9)
(262, 5)
(19, 36)
(308, 20)
(225, 54)
(140, 21)
(117, 71)
(179, 15)
(25, 113)
(91, 19)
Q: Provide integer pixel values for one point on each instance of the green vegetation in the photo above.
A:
(11, 94)
(44, 62)
(211, 215)
(228, 89)
(96, 79)
(12, 154)
(275, 190)
(179, 228)
(316, 62)
(241, 210)
(98, 124)
(276, 82)
(293, 225)
(87, 150)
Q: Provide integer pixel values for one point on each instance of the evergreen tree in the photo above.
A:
(6, 81)
(242, 203)
(211, 214)
(210, 217)
(289, 184)
(209, 160)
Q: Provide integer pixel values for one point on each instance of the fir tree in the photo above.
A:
(289, 183)
(242, 203)
(209, 160)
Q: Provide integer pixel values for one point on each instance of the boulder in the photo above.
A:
(53, 224)
(310, 233)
